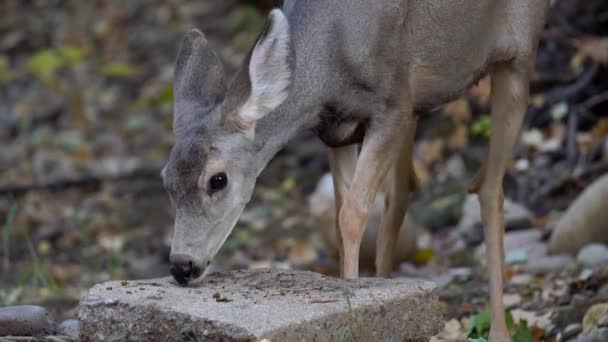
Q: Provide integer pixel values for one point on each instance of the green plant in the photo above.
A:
(480, 324)
(6, 234)
(119, 70)
(482, 127)
(46, 63)
(351, 329)
(5, 73)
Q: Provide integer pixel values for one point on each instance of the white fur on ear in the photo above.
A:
(269, 70)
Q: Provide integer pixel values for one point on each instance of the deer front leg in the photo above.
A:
(400, 183)
(509, 100)
(383, 140)
(342, 162)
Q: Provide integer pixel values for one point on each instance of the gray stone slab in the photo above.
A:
(276, 305)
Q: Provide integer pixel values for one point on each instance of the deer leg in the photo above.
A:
(383, 140)
(400, 183)
(509, 100)
(342, 162)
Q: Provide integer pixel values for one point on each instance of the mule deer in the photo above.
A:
(357, 72)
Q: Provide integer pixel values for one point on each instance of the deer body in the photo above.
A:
(357, 72)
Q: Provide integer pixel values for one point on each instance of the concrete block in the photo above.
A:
(272, 305)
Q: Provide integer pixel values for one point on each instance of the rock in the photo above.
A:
(521, 279)
(541, 320)
(517, 256)
(69, 327)
(25, 320)
(593, 316)
(511, 300)
(598, 335)
(440, 211)
(322, 206)
(584, 222)
(277, 305)
(520, 246)
(593, 255)
(572, 330)
(452, 331)
(516, 216)
(462, 274)
(548, 264)
(571, 313)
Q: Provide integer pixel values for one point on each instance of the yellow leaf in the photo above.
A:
(423, 256)
(538, 101)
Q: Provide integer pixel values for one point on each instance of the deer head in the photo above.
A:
(212, 168)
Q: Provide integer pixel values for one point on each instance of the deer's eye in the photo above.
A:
(217, 182)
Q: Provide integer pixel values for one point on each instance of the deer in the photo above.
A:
(359, 74)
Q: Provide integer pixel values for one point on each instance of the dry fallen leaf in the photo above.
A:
(595, 48)
(482, 91)
(459, 110)
(600, 130)
(459, 137)
(431, 151)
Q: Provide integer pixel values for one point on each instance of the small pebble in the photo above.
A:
(598, 335)
(517, 256)
(571, 330)
(461, 274)
(70, 328)
(521, 279)
(594, 316)
(511, 299)
(220, 298)
(593, 255)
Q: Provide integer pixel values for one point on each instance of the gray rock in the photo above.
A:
(525, 242)
(598, 335)
(548, 264)
(572, 330)
(516, 215)
(594, 316)
(69, 327)
(584, 222)
(278, 305)
(593, 255)
(25, 320)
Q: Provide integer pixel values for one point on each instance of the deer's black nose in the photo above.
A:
(183, 269)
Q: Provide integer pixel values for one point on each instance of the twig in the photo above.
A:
(571, 148)
(569, 91)
(594, 169)
(563, 93)
(87, 180)
(594, 101)
(6, 235)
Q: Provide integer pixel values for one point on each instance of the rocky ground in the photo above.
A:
(85, 126)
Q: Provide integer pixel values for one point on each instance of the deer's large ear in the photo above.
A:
(199, 80)
(270, 70)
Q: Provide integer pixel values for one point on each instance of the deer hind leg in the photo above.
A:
(509, 100)
(400, 182)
